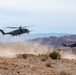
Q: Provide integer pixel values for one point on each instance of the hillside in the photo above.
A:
(37, 65)
(40, 46)
(36, 61)
(56, 41)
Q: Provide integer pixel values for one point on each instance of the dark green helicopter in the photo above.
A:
(19, 31)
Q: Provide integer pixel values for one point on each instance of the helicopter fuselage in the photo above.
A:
(16, 32)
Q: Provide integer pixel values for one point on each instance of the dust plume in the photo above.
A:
(7, 53)
(12, 49)
(68, 53)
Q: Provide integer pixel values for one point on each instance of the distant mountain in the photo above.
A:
(8, 38)
(55, 41)
(41, 35)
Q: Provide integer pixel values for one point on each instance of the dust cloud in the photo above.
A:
(7, 53)
(12, 49)
(68, 53)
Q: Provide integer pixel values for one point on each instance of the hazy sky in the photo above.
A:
(48, 15)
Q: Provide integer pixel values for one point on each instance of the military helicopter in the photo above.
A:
(19, 31)
(72, 45)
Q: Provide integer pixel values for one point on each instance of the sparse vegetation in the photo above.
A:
(64, 73)
(55, 55)
(22, 56)
(75, 63)
(15, 65)
(20, 66)
(48, 64)
(4, 67)
(43, 59)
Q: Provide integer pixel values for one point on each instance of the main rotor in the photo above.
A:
(21, 27)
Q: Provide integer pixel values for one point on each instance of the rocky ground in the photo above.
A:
(36, 65)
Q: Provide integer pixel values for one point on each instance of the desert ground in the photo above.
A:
(36, 65)
(20, 59)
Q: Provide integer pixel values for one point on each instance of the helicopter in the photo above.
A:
(16, 32)
(72, 45)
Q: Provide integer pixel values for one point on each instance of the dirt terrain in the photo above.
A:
(34, 62)
(36, 65)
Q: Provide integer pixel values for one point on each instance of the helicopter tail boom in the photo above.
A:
(2, 32)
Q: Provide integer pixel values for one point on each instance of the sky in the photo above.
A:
(48, 16)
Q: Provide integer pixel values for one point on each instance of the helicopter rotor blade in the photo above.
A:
(11, 27)
(28, 26)
(31, 31)
(20, 26)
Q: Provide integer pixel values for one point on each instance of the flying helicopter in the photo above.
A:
(20, 30)
(72, 45)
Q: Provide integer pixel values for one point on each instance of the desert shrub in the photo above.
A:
(15, 65)
(22, 56)
(64, 73)
(43, 59)
(55, 55)
(48, 64)
(3, 67)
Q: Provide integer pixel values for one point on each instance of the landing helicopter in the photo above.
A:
(72, 45)
(20, 30)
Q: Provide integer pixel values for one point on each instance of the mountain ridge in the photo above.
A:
(56, 41)
(8, 38)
